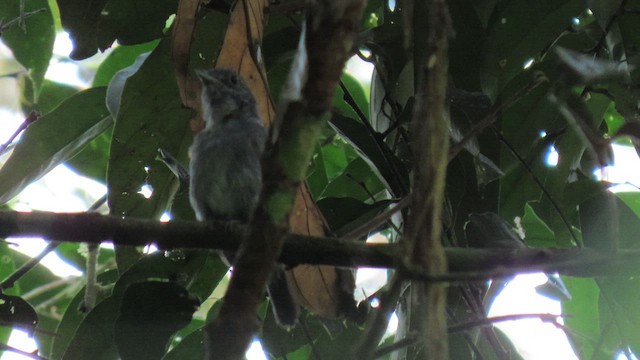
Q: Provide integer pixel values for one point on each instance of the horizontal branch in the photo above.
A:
(464, 263)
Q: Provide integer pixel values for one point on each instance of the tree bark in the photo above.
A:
(430, 131)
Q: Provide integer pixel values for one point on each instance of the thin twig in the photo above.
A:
(32, 355)
(310, 342)
(378, 220)
(70, 291)
(26, 267)
(97, 204)
(496, 319)
(46, 287)
(601, 41)
(379, 320)
(452, 329)
(28, 329)
(468, 338)
(384, 350)
(19, 20)
(32, 117)
(544, 190)
(348, 98)
(496, 110)
(475, 303)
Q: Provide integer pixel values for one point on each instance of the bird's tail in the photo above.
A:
(285, 308)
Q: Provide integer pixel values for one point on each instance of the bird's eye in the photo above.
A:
(234, 80)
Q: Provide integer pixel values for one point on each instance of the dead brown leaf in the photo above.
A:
(318, 288)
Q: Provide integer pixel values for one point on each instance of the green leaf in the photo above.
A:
(619, 314)
(385, 41)
(280, 45)
(358, 181)
(70, 253)
(523, 125)
(133, 22)
(119, 81)
(208, 37)
(184, 269)
(48, 301)
(537, 233)
(578, 192)
(94, 337)
(334, 159)
(118, 59)
(188, 348)
(465, 49)
(18, 313)
(80, 19)
(92, 160)
(584, 69)
(354, 89)
(75, 254)
(520, 30)
(53, 139)
(52, 94)
(632, 200)
(459, 347)
(187, 268)
(628, 37)
(207, 278)
(31, 43)
(613, 119)
(149, 313)
(9, 266)
(138, 134)
(278, 342)
(603, 11)
(335, 342)
(72, 330)
(582, 314)
(600, 227)
(608, 223)
(345, 214)
(150, 116)
(388, 168)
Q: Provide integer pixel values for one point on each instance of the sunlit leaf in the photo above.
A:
(53, 139)
(537, 233)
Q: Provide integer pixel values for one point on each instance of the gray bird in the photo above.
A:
(225, 167)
